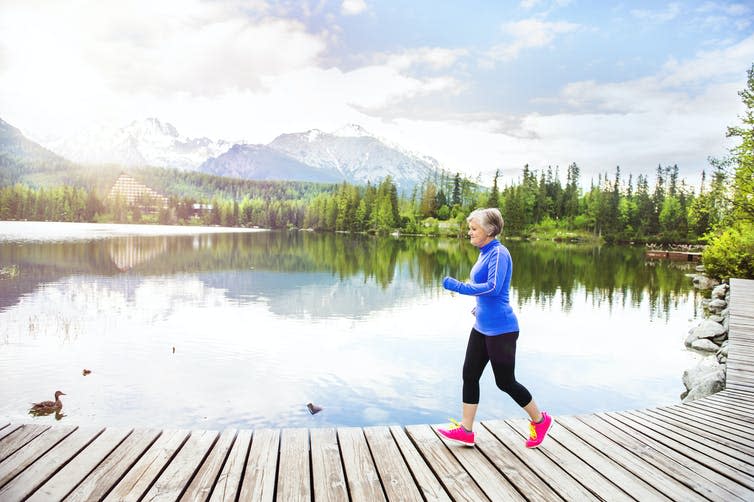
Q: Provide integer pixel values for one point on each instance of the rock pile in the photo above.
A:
(710, 337)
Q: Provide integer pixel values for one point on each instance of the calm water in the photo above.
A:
(242, 329)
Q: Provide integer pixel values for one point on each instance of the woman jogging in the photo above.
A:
(493, 337)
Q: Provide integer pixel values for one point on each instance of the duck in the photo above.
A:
(313, 408)
(47, 407)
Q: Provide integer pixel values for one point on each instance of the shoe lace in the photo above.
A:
(532, 431)
(455, 424)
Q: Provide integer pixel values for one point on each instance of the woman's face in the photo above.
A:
(477, 235)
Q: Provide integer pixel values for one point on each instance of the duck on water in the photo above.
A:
(48, 407)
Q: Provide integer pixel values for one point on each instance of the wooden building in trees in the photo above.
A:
(134, 194)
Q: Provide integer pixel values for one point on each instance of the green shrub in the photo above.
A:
(731, 254)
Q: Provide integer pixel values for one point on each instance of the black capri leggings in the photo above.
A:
(501, 351)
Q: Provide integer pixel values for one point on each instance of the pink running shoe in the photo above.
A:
(457, 433)
(538, 432)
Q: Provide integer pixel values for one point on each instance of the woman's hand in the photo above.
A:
(451, 284)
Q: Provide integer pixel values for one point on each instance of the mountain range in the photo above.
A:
(349, 154)
(22, 158)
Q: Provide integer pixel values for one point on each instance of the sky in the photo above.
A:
(480, 85)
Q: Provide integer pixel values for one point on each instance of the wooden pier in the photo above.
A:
(702, 450)
(659, 254)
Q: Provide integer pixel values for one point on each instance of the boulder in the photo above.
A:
(723, 350)
(705, 329)
(706, 367)
(719, 339)
(717, 305)
(706, 388)
(704, 282)
(720, 291)
(705, 345)
(716, 318)
(704, 379)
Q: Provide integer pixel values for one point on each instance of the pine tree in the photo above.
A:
(494, 198)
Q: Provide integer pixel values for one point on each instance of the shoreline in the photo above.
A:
(73, 231)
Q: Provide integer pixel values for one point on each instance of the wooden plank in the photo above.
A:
(294, 475)
(489, 479)
(17, 437)
(739, 371)
(675, 441)
(729, 403)
(106, 474)
(723, 407)
(629, 454)
(261, 466)
(4, 432)
(719, 427)
(738, 338)
(452, 475)
(736, 414)
(720, 424)
(182, 467)
(509, 465)
(737, 397)
(741, 378)
(588, 475)
(147, 469)
(551, 473)
(328, 478)
(693, 439)
(361, 473)
(688, 471)
(741, 357)
(204, 480)
(740, 386)
(21, 458)
(40, 471)
(430, 487)
(65, 480)
(392, 468)
(229, 482)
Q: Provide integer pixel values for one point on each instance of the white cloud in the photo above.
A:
(435, 58)
(353, 7)
(528, 4)
(678, 116)
(670, 12)
(528, 34)
(730, 9)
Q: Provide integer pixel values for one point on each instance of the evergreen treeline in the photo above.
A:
(668, 210)
(617, 209)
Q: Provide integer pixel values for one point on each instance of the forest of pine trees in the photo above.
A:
(615, 208)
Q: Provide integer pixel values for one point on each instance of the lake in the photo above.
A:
(216, 328)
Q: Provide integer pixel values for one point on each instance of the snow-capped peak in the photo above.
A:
(152, 127)
(352, 131)
(313, 135)
(142, 142)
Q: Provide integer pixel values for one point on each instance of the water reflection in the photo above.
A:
(249, 265)
(242, 330)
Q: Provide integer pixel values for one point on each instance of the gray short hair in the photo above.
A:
(490, 220)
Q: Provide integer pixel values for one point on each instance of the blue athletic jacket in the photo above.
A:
(489, 281)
